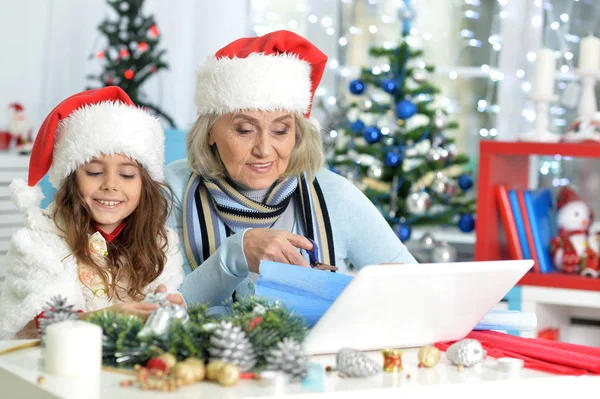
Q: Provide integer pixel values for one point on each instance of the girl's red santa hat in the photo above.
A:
(567, 195)
(277, 71)
(86, 125)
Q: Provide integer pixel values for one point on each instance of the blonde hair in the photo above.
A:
(306, 157)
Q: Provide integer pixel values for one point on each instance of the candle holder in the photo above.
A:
(587, 125)
(540, 133)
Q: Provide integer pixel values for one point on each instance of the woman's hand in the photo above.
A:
(176, 299)
(276, 245)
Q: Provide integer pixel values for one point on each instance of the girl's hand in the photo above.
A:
(276, 245)
(141, 309)
(176, 299)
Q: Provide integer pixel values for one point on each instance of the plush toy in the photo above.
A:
(572, 250)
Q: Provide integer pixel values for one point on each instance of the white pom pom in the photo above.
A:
(24, 196)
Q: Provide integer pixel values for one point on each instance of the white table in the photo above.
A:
(19, 372)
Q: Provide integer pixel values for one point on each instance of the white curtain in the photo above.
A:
(46, 44)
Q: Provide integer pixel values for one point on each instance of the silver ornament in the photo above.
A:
(418, 203)
(440, 120)
(159, 298)
(352, 363)
(466, 352)
(375, 171)
(230, 344)
(420, 75)
(435, 154)
(443, 253)
(443, 185)
(365, 105)
(288, 356)
(388, 141)
(427, 241)
(452, 151)
(161, 320)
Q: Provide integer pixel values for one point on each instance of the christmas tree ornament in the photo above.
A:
(443, 185)
(230, 344)
(465, 182)
(352, 363)
(357, 126)
(427, 241)
(436, 154)
(365, 105)
(169, 359)
(372, 134)
(403, 231)
(357, 87)
(213, 368)
(161, 320)
(418, 203)
(288, 356)
(452, 151)
(388, 141)
(466, 352)
(466, 223)
(229, 375)
(389, 85)
(159, 298)
(197, 367)
(440, 120)
(405, 109)
(375, 171)
(392, 159)
(157, 364)
(428, 356)
(392, 360)
(420, 75)
(443, 253)
(184, 373)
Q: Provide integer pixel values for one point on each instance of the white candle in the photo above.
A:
(73, 349)
(545, 72)
(589, 54)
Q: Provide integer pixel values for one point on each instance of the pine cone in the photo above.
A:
(466, 352)
(56, 311)
(352, 363)
(230, 344)
(288, 357)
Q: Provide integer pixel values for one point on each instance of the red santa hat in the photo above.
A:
(277, 71)
(567, 195)
(92, 123)
(16, 106)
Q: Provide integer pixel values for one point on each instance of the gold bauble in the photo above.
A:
(213, 369)
(183, 373)
(169, 359)
(197, 366)
(429, 356)
(229, 375)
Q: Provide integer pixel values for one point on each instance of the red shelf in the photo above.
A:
(582, 150)
(557, 280)
(508, 163)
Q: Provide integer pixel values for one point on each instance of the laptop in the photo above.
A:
(401, 306)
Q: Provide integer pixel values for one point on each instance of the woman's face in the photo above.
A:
(255, 146)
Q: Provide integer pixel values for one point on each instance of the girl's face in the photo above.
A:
(111, 186)
(255, 146)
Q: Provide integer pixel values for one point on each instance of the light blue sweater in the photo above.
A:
(361, 237)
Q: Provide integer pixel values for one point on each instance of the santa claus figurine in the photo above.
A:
(21, 128)
(571, 250)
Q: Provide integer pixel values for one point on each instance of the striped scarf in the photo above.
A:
(213, 210)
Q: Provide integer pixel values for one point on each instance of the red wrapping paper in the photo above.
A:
(538, 354)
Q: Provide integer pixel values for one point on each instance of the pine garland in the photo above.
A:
(265, 324)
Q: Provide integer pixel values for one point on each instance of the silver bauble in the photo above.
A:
(452, 151)
(434, 154)
(418, 203)
(427, 241)
(443, 253)
(466, 352)
(388, 141)
(375, 171)
(365, 105)
(420, 75)
(443, 185)
(440, 120)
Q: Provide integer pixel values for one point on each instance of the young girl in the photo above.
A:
(102, 242)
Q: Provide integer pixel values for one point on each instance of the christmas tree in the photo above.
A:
(391, 140)
(130, 55)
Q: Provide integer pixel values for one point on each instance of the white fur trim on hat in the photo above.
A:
(257, 82)
(24, 196)
(107, 128)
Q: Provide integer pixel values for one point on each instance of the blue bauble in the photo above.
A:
(466, 223)
(357, 87)
(357, 126)
(403, 231)
(372, 134)
(389, 86)
(392, 159)
(405, 109)
(465, 182)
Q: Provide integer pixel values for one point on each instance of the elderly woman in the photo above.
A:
(254, 187)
